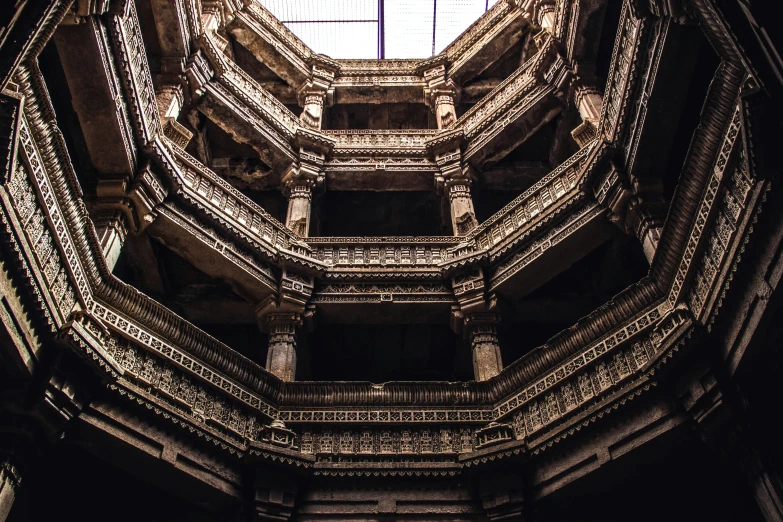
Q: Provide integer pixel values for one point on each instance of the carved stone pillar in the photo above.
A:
(442, 95)
(645, 221)
(482, 331)
(545, 15)
(455, 181)
(281, 357)
(10, 480)
(312, 103)
(170, 100)
(282, 317)
(299, 182)
(317, 92)
(636, 206)
(122, 207)
(110, 225)
(588, 102)
(475, 317)
(463, 217)
(299, 206)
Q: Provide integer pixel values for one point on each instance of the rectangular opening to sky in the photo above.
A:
(369, 29)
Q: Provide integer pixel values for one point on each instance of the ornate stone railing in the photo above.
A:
(380, 73)
(500, 98)
(382, 252)
(511, 224)
(248, 90)
(406, 142)
(497, 18)
(283, 34)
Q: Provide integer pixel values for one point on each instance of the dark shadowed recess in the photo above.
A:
(360, 213)
(530, 321)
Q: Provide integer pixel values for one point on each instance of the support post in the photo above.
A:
(10, 480)
(476, 318)
(283, 317)
(588, 102)
(455, 181)
(442, 95)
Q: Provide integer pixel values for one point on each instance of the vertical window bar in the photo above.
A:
(434, 16)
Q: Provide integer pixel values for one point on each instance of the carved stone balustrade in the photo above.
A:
(378, 81)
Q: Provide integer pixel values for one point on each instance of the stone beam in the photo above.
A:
(378, 81)
(213, 254)
(165, 458)
(512, 129)
(485, 41)
(240, 121)
(271, 43)
(545, 257)
(97, 97)
(173, 34)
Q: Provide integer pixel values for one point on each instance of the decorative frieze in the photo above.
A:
(132, 57)
(623, 65)
(136, 347)
(162, 380)
(387, 443)
(648, 322)
(730, 218)
(382, 293)
(708, 201)
(418, 252)
(535, 203)
(407, 142)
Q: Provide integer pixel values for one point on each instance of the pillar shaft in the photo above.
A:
(588, 102)
(445, 111)
(111, 227)
(9, 483)
(463, 216)
(299, 207)
(281, 358)
(487, 361)
(313, 110)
